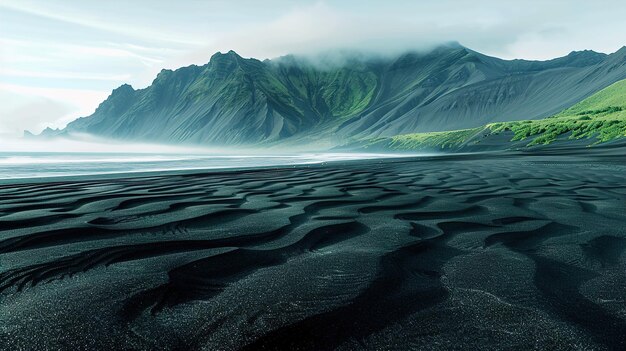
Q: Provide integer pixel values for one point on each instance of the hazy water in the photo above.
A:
(38, 164)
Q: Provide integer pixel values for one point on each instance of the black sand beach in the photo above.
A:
(454, 252)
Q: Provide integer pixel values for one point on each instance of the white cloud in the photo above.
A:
(94, 19)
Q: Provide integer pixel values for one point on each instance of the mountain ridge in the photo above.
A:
(233, 100)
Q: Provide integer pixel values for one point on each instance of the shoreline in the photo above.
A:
(159, 172)
(610, 154)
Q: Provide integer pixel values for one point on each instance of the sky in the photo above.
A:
(60, 59)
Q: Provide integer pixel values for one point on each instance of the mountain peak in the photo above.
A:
(453, 45)
(621, 51)
(124, 88)
(163, 73)
(50, 133)
(585, 52)
(448, 46)
(228, 55)
(584, 58)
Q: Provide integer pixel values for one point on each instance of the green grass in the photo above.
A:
(603, 126)
(608, 99)
(601, 118)
(441, 140)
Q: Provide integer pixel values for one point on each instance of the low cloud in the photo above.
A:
(531, 29)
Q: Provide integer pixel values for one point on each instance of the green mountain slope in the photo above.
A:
(607, 100)
(297, 101)
(599, 118)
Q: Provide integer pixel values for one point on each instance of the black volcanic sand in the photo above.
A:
(457, 252)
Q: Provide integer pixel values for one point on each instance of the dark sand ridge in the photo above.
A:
(454, 252)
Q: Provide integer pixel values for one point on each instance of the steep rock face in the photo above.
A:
(234, 101)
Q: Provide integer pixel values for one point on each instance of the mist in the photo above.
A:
(26, 159)
(88, 144)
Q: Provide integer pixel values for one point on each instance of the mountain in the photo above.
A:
(233, 100)
(463, 89)
(237, 101)
(597, 119)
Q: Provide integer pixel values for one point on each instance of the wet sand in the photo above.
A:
(456, 252)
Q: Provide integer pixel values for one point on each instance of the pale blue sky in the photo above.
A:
(59, 59)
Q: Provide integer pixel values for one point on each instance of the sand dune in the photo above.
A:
(455, 252)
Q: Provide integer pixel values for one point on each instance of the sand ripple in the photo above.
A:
(473, 253)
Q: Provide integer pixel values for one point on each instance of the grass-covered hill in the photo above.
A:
(597, 119)
(297, 101)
